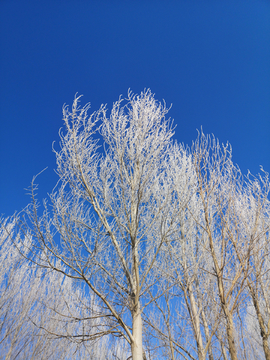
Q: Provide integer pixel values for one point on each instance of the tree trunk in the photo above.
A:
(263, 331)
(207, 335)
(136, 346)
(196, 324)
(224, 304)
(230, 334)
(266, 348)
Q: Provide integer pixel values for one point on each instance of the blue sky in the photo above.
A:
(210, 59)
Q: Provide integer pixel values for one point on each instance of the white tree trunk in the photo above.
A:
(136, 347)
(196, 324)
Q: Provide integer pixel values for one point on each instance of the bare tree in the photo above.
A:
(110, 212)
(20, 289)
(219, 184)
(254, 212)
(216, 252)
(193, 306)
(42, 312)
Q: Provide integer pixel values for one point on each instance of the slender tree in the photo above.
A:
(219, 184)
(110, 212)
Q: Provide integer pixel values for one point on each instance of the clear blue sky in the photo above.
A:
(209, 58)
